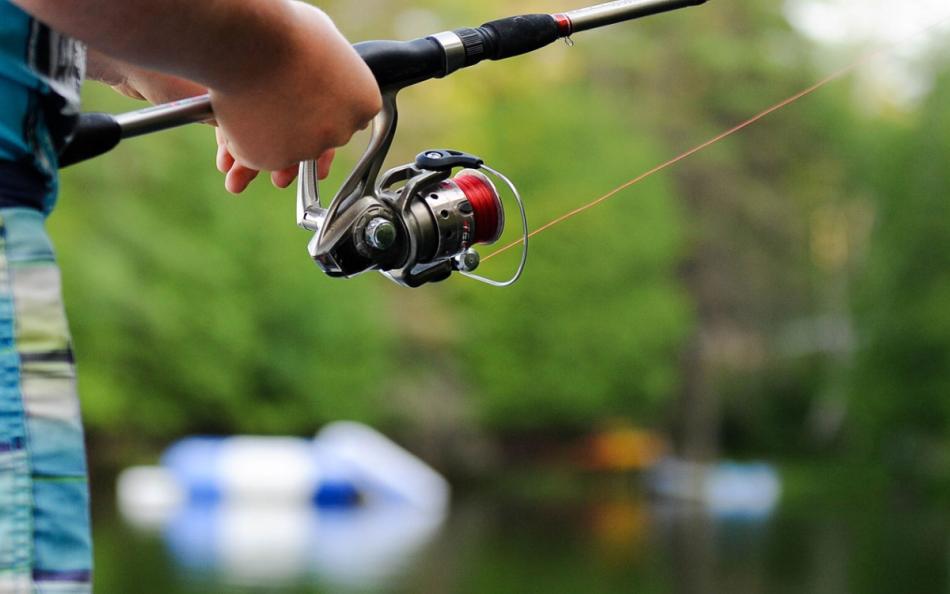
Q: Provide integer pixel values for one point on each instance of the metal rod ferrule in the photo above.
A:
(602, 15)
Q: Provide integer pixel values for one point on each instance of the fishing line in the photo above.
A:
(715, 140)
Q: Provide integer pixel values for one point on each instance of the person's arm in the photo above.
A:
(156, 87)
(286, 86)
(140, 83)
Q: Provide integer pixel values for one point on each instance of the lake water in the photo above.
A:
(610, 543)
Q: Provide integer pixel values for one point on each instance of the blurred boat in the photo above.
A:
(729, 490)
(350, 507)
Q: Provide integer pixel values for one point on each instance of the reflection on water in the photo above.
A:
(272, 546)
(349, 508)
(612, 543)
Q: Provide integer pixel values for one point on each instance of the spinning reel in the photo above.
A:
(417, 223)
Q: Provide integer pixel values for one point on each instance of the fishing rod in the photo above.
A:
(417, 223)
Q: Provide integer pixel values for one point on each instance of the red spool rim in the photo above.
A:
(486, 205)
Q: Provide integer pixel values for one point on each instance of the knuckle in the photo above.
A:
(371, 107)
(341, 138)
(334, 136)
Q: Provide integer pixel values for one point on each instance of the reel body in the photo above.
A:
(416, 224)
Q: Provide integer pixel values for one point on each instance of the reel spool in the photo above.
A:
(416, 224)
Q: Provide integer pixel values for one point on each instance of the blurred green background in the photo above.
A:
(783, 295)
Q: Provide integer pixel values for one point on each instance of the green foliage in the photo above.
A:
(594, 329)
(902, 375)
(195, 311)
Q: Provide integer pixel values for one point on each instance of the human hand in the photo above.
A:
(316, 95)
(238, 177)
(303, 92)
(158, 88)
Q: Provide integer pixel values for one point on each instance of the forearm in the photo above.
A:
(222, 44)
(286, 86)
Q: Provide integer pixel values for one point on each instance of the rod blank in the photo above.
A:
(611, 13)
(163, 117)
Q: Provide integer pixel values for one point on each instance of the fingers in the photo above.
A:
(324, 163)
(158, 88)
(238, 177)
(224, 160)
(129, 91)
(283, 179)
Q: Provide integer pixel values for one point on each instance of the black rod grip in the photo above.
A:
(507, 38)
(400, 64)
(96, 134)
(514, 36)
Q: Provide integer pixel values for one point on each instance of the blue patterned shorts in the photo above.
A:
(45, 544)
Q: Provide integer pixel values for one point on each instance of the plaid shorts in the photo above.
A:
(45, 544)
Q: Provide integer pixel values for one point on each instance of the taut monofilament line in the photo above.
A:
(835, 76)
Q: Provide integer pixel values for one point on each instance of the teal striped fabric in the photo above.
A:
(41, 73)
(45, 544)
(16, 82)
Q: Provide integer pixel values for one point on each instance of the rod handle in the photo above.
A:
(515, 36)
(96, 134)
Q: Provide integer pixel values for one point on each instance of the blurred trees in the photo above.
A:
(901, 376)
(750, 203)
(193, 311)
(713, 300)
